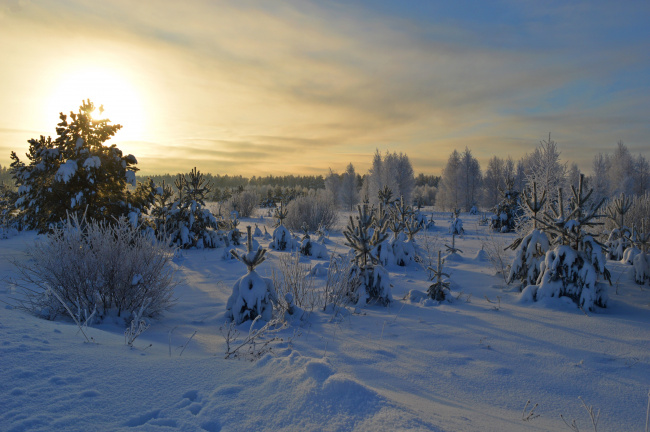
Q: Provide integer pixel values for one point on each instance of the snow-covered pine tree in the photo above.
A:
(282, 239)
(531, 249)
(619, 237)
(191, 224)
(439, 288)
(312, 248)
(641, 261)
(75, 173)
(252, 295)
(402, 243)
(572, 268)
(161, 208)
(8, 222)
(381, 222)
(509, 210)
(456, 223)
(369, 281)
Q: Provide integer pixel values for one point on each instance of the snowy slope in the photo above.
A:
(458, 366)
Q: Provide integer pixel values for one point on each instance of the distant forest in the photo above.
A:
(288, 181)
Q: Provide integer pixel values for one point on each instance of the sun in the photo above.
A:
(105, 87)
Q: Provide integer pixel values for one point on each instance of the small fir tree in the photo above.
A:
(282, 239)
(531, 249)
(619, 238)
(369, 280)
(508, 211)
(191, 224)
(641, 261)
(572, 268)
(439, 288)
(252, 295)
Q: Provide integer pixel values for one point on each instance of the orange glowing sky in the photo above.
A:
(258, 88)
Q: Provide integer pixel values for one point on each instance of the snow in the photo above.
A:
(66, 171)
(463, 365)
(92, 162)
(130, 177)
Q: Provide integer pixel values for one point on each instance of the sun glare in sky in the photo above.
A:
(256, 88)
(104, 86)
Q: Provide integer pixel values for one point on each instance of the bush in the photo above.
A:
(312, 211)
(96, 267)
(244, 203)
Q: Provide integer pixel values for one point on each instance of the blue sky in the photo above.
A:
(256, 88)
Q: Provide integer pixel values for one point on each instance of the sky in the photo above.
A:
(298, 87)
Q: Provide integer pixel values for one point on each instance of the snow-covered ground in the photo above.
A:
(466, 365)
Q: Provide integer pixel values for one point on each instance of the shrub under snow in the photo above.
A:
(98, 267)
(252, 295)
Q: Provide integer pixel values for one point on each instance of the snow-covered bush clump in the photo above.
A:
(368, 279)
(617, 242)
(573, 266)
(189, 223)
(508, 211)
(252, 295)
(423, 222)
(312, 248)
(76, 174)
(108, 269)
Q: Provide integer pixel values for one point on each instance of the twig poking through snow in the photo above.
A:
(528, 415)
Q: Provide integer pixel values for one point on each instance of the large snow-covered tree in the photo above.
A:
(461, 181)
(449, 193)
(493, 181)
(76, 173)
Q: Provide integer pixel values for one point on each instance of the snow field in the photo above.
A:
(465, 365)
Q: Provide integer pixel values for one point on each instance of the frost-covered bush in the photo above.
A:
(252, 295)
(371, 280)
(294, 286)
(244, 203)
(76, 174)
(318, 209)
(111, 269)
